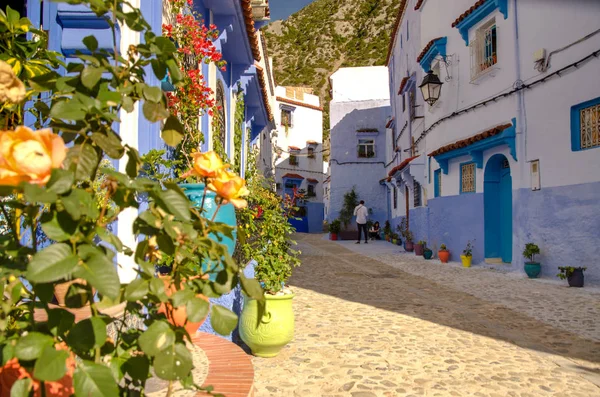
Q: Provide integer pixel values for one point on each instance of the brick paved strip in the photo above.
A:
(230, 369)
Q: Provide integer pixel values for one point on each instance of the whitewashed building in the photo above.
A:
(510, 151)
(298, 144)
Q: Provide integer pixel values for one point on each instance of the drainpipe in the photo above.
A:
(521, 119)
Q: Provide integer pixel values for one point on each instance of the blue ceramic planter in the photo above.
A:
(226, 215)
(533, 269)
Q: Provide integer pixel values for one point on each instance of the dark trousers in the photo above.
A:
(363, 227)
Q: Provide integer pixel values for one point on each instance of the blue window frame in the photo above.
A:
(400, 41)
(407, 31)
(468, 181)
(585, 125)
(437, 182)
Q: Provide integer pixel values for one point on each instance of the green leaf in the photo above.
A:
(90, 76)
(157, 287)
(95, 380)
(87, 162)
(138, 367)
(153, 94)
(172, 202)
(110, 238)
(197, 309)
(182, 297)
(175, 72)
(158, 337)
(159, 68)
(52, 264)
(91, 43)
(110, 143)
(137, 290)
(252, 288)
(67, 110)
(155, 111)
(60, 181)
(52, 364)
(87, 334)
(30, 346)
(60, 321)
(37, 194)
(98, 270)
(21, 388)
(58, 226)
(133, 163)
(172, 132)
(223, 320)
(165, 45)
(78, 296)
(173, 363)
(80, 202)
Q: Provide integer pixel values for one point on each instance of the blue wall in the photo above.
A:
(564, 222)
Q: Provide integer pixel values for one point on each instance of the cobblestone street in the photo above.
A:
(371, 321)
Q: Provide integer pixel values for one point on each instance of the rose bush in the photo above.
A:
(53, 192)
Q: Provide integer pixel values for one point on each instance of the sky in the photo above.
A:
(281, 9)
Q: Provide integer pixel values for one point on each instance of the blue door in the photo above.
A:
(497, 197)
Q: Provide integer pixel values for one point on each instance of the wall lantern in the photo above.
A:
(431, 88)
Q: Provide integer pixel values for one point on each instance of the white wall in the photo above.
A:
(360, 84)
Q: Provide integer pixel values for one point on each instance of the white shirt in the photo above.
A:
(361, 212)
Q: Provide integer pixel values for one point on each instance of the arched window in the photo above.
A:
(219, 124)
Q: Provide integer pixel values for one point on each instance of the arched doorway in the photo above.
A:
(497, 202)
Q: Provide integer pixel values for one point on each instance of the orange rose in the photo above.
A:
(29, 156)
(230, 188)
(11, 88)
(206, 165)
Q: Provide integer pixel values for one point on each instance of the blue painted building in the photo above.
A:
(246, 75)
(509, 152)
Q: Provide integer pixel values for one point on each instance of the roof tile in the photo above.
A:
(465, 14)
(427, 47)
(419, 4)
(402, 84)
(293, 176)
(297, 103)
(469, 141)
(401, 166)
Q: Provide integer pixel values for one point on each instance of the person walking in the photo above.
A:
(361, 212)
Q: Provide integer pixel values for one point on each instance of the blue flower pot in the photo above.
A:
(427, 253)
(226, 215)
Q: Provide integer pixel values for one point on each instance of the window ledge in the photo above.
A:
(486, 74)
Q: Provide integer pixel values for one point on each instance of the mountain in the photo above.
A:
(328, 34)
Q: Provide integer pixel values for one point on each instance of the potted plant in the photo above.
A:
(267, 325)
(399, 241)
(467, 255)
(387, 231)
(574, 275)
(427, 253)
(532, 268)
(444, 254)
(394, 238)
(408, 241)
(334, 229)
(419, 247)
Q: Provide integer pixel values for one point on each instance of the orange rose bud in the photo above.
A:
(29, 156)
(230, 187)
(206, 165)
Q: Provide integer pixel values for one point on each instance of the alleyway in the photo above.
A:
(365, 328)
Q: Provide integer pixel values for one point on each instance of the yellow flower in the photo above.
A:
(230, 187)
(11, 88)
(206, 165)
(29, 156)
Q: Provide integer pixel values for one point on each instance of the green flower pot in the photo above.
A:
(533, 269)
(427, 253)
(266, 336)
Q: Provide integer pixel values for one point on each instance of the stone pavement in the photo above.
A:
(371, 321)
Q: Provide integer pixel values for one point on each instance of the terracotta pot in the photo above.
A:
(409, 246)
(13, 371)
(333, 236)
(178, 316)
(444, 256)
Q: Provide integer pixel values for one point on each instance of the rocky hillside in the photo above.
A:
(326, 35)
